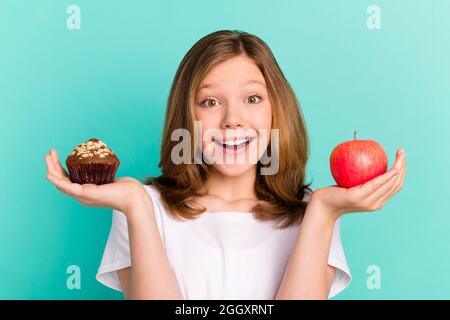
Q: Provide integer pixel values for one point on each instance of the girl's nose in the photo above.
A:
(233, 117)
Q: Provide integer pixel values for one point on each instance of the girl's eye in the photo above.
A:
(209, 103)
(253, 99)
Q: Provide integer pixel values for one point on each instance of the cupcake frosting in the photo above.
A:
(92, 147)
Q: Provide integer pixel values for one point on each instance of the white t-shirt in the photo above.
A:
(220, 255)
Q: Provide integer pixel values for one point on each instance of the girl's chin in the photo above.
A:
(233, 169)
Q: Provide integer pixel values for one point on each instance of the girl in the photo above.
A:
(220, 229)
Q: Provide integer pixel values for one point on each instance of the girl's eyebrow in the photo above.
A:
(254, 82)
(209, 85)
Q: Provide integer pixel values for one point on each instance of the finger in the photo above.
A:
(65, 186)
(398, 186)
(61, 171)
(374, 198)
(401, 176)
(395, 191)
(381, 195)
(51, 168)
(400, 155)
(368, 188)
(50, 164)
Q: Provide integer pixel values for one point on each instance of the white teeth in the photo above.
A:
(231, 142)
(234, 142)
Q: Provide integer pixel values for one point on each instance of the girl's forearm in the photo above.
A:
(306, 274)
(151, 276)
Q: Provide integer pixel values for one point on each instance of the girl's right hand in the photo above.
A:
(120, 195)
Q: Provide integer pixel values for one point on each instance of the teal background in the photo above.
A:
(111, 79)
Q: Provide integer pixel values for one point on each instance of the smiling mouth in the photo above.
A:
(234, 144)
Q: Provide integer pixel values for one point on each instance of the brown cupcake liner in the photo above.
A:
(95, 173)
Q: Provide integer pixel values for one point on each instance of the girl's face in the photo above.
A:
(233, 107)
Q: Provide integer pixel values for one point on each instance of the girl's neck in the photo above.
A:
(231, 188)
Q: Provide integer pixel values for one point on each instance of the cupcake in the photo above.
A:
(92, 162)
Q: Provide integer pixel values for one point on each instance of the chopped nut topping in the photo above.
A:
(90, 148)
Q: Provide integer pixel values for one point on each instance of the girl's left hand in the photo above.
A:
(370, 196)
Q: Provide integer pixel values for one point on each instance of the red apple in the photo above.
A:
(355, 162)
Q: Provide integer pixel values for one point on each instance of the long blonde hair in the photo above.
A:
(283, 193)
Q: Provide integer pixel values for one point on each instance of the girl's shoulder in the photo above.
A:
(160, 210)
(151, 189)
(155, 196)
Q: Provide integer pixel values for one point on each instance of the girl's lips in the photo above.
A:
(235, 149)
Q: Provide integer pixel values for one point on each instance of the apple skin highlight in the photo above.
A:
(355, 162)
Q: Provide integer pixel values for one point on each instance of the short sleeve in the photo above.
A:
(342, 276)
(116, 255)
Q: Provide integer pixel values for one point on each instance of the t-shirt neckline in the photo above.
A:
(228, 214)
